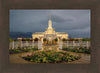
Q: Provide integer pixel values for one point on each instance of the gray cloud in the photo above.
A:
(77, 21)
(58, 19)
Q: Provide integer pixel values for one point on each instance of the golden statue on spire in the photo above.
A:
(49, 16)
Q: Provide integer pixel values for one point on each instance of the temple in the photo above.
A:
(50, 34)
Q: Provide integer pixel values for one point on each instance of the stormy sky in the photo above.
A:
(73, 22)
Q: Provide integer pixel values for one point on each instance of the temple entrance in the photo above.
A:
(50, 43)
(50, 40)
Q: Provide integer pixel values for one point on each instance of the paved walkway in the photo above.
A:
(85, 58)
(51, 47)
(17, 58)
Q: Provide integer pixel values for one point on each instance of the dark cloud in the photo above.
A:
(77, 21)
(58, 19)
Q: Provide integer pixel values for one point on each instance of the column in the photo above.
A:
(67, 44)
(39, 44)
(33, 44)
(58, 41)
(87, 44)
(80, 43)
(21, 44)
(60, 44)
(42, 40)
(73, 44)
(13, 45)
(26, 43)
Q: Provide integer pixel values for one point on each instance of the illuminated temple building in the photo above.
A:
(50, 34)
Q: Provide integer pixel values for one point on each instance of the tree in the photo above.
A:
(70, 39)
(36, 39)
(44, 39)
(86, 39)
(10, 39)
(28, 39)
(56, 39)
(64, 39)
(76, 39)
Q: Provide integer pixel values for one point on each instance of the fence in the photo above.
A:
(31, 44)
(22, 44)
(76, 44)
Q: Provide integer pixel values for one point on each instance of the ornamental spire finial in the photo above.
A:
(49, 16)
(50, 22)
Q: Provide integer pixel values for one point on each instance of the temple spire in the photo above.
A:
(50, 22)
(49, 16)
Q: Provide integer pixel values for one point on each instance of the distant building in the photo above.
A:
(50, 34)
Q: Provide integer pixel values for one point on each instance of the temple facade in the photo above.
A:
(50, 34)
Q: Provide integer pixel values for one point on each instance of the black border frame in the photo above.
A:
(6, 67)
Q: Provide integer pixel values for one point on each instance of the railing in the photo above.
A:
(76, 44)
(22, 44)
(31, 44)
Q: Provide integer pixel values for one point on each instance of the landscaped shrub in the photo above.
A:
(80, 50)
(24, 50)
(12, 51)
(50, 57)
(36, 39)
(86, 39)
(10, 39)
(56, 39)
(64, 39)
(44, 39)
(33, 49)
